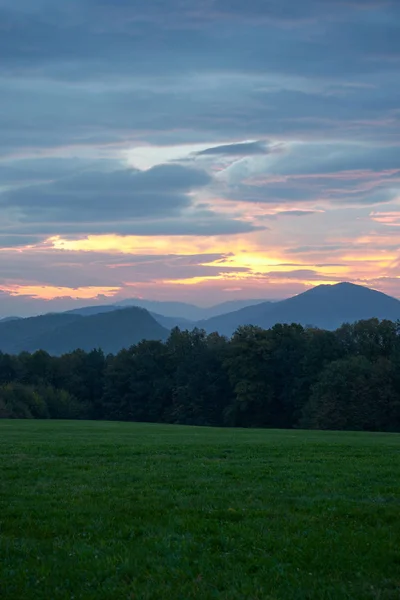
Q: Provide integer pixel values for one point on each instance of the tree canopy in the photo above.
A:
(284, 377)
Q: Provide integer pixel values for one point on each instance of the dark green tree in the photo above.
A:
(22, 402)
(137, 383)
(201, 389)
(246, 365)
(9, 368)
(352, 394)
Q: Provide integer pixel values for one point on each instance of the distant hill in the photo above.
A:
(325, 306)
(171, 322)
(61, 333)
(112, 327)
(6, 319)
(16, 335)
(181, 310)
(190, 312)
(168, 322)
(169, 310)
(87, 311)
(170, 314)
(227, 323)
(230, 306)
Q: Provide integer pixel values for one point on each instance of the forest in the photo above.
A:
(288, 376)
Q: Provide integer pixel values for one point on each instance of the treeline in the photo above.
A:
(284, 377)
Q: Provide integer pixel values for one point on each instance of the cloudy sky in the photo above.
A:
(201, 151)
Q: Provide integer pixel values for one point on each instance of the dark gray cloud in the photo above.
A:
(318, 194)
(241, 149)
(204, 71)
(215, 224)
(296, 213)
(294, 11)
(287, 214)
(125, 201)
(16, 240)
(190, 110)
(24, 172)
(336, 173)
(101, 195)
(178, 36)
(83, 81)
(319, 158)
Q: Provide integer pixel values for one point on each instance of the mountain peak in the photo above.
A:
(341, 287)
(325, 306)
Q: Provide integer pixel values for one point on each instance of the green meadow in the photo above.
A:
(104, 511)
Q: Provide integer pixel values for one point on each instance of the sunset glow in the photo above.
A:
(50, 292)
(253, 167)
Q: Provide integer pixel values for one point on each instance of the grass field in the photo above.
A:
(129, 512)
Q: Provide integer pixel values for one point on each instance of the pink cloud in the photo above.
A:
(386, 218)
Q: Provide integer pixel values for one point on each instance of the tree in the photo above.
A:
(60, 403)
(36, 368)
(200, 386)
(246, 366)
(352, 394)
(266, 371)
(321, 348)
(81, 374)
(9, 368)
(370, 338)
(136, 386)
(286, 376)
(22, 402)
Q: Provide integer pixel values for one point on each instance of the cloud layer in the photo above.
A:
(243, 133)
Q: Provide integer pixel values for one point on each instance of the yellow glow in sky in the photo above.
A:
(151, 245)
(249, 259)
(47, 292)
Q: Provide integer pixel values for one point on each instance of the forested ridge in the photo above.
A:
(284, 377)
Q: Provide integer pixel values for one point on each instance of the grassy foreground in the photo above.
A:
(134, 512)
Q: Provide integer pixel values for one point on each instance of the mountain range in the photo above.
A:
(324, 306)
(112, 327)
(65, 332)
(176, 310)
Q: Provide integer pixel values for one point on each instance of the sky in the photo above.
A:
(200, 151)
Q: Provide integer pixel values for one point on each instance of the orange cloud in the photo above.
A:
(259, 264)
(47, 292)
